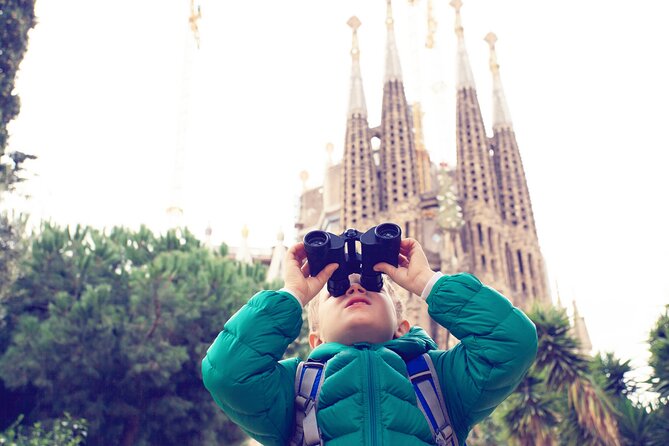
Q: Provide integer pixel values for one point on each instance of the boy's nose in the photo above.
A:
(355, 288)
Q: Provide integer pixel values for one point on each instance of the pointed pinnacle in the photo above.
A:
(354, 23)
(389, 14)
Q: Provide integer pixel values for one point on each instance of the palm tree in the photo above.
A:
(561, 370)
(531, 415)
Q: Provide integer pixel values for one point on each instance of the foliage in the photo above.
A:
(64, 431)
(558, 394)
(612, 375)
(659, 356)
(17, 17)
(112, 328)
(659, 361)
(529, 414)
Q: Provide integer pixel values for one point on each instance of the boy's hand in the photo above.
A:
(413, 271)
(296, 274)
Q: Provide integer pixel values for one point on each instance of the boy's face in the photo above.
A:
(357, 316)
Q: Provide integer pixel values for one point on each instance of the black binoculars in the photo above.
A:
(379, 244)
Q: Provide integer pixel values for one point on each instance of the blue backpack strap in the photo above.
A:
(430, 399)
(308, 381)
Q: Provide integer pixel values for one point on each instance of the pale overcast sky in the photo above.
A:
(103, 100)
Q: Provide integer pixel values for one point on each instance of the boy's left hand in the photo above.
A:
(296, 274)
(413, 270)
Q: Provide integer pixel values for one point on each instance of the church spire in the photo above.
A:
(476, 180)
(358, 207)
(514, 196)
(356, 103)
(580, 332)
(465, 78)
(398, 185)
(243, 254)
(276, 263)
(393, 68)
(501, 114)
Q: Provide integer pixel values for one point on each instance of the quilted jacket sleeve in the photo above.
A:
(498, 344)
(242, 370)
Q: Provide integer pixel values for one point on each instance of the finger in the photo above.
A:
(325, 274)
(403, 261)
(407, 245)
(385, 268)
(305, 269)
(296, 252)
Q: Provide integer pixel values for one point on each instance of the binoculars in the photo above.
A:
(379, 244)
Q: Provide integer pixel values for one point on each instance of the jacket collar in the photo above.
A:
(414, 343)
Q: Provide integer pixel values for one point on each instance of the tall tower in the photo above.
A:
(477, 186)
(398, 176)
(360, 199)
(174, 209)
(524, 261)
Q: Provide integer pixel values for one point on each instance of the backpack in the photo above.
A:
(308, 381)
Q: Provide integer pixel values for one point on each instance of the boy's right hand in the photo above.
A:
(297, 278)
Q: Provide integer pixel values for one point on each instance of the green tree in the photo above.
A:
(659, 361)
(659, 356)
(17, 17)
(64, 431)
(558, 400)
(613, 375)
(112, 328)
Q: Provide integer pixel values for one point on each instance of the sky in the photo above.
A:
(114, 95)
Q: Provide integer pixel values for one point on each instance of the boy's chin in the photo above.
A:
(355, 334)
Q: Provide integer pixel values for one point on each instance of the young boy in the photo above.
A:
(366, 397)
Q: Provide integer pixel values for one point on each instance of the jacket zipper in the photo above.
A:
(372, 399)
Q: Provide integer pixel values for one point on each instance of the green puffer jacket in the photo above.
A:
(366, 397)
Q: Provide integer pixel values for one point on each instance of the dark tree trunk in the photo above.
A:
(130, 431)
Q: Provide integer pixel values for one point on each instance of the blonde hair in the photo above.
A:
(388, 288)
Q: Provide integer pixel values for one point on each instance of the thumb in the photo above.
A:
(326, 272)
(385, 268)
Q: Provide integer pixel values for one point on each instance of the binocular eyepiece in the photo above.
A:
(379, 244)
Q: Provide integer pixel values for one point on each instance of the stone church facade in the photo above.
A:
(475, 217)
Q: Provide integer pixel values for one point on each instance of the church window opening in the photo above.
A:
(483, 261)
(520, 262)
(529, 263)
(480, 232)
(490, 238)
(509, 267)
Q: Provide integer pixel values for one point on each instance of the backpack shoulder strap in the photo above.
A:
(308, 381)
(430, 399)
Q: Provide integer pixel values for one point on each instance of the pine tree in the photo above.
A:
(112, 329)
(17, 17)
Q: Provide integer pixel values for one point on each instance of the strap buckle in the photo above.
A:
(445, 436)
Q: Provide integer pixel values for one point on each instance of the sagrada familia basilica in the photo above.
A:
(475, 217)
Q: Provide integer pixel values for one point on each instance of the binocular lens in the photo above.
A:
(388, 231)
(316, 238)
